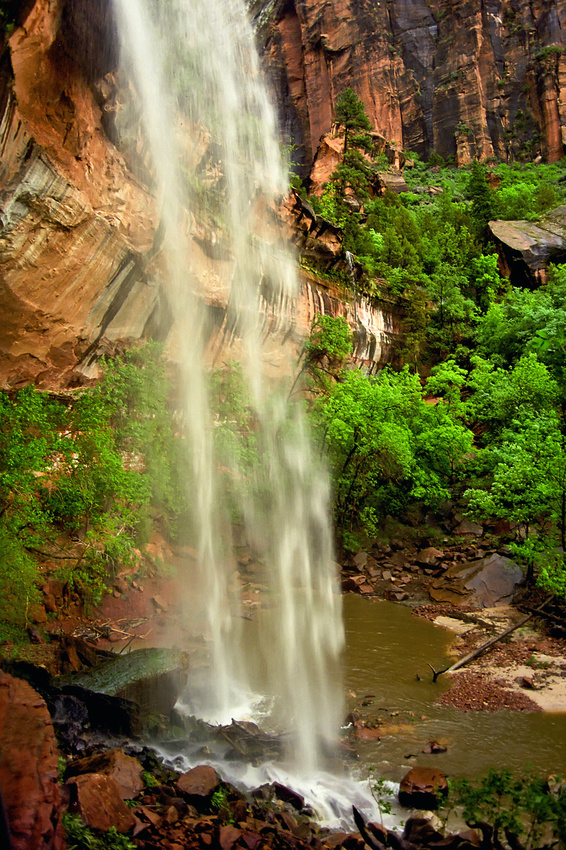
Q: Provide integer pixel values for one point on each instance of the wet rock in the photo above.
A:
(199, 782)
(98, 800)
(28, 768)
(287, 795)
(396, 595)
(360, 560)
(354, 583)
(423, 788)
(227, 836)
(493, 581)
(125, 770)
(429, 557)
(109, 714)
(434, 747)
(150, 678)
(485, 583)
(367, 733)
(423, 829)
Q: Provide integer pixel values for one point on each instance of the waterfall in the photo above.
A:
(196, 86)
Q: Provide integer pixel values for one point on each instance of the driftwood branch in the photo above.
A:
(488, 644)
(558, 620)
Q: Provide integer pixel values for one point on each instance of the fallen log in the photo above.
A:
(488, 644)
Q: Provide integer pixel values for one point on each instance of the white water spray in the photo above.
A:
(216, 163)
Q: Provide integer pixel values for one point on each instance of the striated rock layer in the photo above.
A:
(458, 77)
(80, 266)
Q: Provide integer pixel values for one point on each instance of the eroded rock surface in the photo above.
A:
(461, 78)
(28, 768)
(81, 274)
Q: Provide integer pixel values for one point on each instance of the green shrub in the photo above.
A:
(81, 837)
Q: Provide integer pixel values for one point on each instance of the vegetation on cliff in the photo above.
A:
(81, 478)
(486, 426)
(473, 410)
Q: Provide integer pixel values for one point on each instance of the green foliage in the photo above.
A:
(523, 463)
(528, 473)
(529, 321)
(81, 837)
(219, 803)
(523, 811)
(149, 780)
(387, 446)
(327, 351)
(482, 197)
(88, 466)
(382, 793)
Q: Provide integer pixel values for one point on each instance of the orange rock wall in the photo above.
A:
(458, 77)
(79, 275)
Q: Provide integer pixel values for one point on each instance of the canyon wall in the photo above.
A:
(461, 78)
(80, 265)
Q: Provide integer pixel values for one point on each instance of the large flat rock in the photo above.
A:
(486, 583)
(526, 248)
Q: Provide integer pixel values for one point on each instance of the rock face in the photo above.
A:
(75, 223)
(80, 270)
(460, 78)
(525, 249)
(28, 768)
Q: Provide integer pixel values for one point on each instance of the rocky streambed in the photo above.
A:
(78, 720)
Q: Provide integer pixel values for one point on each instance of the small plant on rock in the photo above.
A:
(81, 837)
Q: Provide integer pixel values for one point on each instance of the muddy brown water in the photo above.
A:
(386, 667)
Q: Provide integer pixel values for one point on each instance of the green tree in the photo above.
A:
(523, 465)
(483, 201)
(350, 112)
(387, 446)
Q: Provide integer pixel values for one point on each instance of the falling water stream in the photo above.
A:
(211, 148)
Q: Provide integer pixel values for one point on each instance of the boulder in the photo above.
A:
(423, 788)
(468, 529)
(199, 782)
(28, 768)
(429, 557)
(423, 829)
(526, 248)
(125, 770)
(287, 795)
(150, 678)
(493, 581)
(392, 182)
(485, 583)
(98, 800)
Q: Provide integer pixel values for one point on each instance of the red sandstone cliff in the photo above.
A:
(463, 78)
(79, 270)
